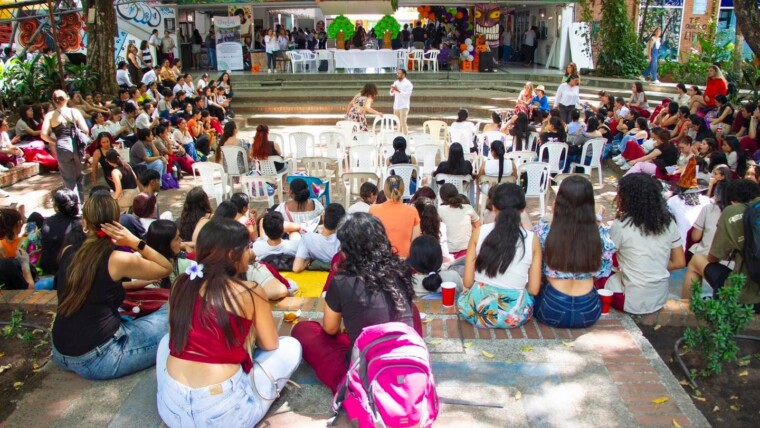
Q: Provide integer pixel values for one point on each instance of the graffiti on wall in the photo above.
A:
(71, 31)
(488, 21)
(141, 13)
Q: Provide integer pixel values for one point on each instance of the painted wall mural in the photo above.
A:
(71, 31)
(141, 13)
(488, 21)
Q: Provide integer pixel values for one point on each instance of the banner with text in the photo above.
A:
(229, 48)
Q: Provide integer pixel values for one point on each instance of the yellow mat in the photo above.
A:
(310, 283)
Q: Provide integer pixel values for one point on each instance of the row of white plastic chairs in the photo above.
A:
(418, 59)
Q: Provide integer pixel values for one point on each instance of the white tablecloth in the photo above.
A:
(383, 58)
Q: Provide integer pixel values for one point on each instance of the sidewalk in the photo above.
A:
(604, 376)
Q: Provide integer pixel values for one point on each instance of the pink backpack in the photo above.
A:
(389, 382)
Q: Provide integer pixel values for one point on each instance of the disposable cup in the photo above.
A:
(448, 290)
(606, 296)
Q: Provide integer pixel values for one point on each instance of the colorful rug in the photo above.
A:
(310, 283)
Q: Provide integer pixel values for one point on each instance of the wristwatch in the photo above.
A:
(141, 245)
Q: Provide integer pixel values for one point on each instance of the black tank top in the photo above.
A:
(98, 318)
(127, 179)
(62, 130)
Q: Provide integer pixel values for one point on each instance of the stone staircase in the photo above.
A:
(285, 99)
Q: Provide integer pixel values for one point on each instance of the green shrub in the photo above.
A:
(621, 55)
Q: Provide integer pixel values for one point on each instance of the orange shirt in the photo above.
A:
(10, 247)
(191, 124)
(399, 221)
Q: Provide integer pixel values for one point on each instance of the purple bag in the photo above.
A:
(168, 182)
(389, 382)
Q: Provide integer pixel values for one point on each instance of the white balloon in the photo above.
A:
(470, 57)
(468, 42)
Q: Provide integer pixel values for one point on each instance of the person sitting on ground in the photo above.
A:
(683, 124)
(272, 243)
(539, 105)
(125, 183)
(737, 159)
(638, 100)
(455, 164)
(401, 222)
(523, 101)
(15, 269)
(145, 153)
(373, 286)
(577, 249)
(27, 128)
(368, 195)
(163, 236)
(10, 155)
(460, 219)
(320, 246)
(89, 337)
(214, 317)
(245, 215)
(55, 227)
(729, 242)
(683, 97)
(431, 224)
(716, 84)
(502, 259)
(426, 258)
(648, 244)
(664, 155)
(740, 127)
(724, 117)
(196, 208)
(703, 231)
(301, 211)
(262, 148)
(668, 117)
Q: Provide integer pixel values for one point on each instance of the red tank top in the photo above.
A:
(206, 344)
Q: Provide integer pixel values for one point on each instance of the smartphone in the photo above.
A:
(31, 227)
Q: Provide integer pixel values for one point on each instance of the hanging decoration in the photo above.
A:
(340, 24)
(387, 24)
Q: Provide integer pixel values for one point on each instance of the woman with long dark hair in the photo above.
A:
(639, 100)
(262, 147)
(197, 207)
(521, 132)
(577, 249)
(89, 337)
(431, 224)
(204, 367)
(301, 209)
(496, 165)
(503, 266)
(456, 164)
(663, 155)
(125, 183)
(163, 236)
(57, 226)
(373, 286)
(361, 104)
(426, 258)
(228, 138)
(648, 244)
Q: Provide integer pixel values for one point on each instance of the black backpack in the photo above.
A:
(751, 252)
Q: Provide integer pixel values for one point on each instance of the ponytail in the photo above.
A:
(499, 248)
(498, 147)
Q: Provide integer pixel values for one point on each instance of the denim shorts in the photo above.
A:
(132, 348)
(557, 309)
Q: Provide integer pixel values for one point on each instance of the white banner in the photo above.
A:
(229, 48)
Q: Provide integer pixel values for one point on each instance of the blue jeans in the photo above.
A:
(557, 309)
(240, 401)
(506, 52)
(190, 150)
(132, 348)
(271, 62)
(157, 165)
(652, 68)
(212, 57)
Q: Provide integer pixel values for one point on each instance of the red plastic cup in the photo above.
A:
(448, 289)
(606, 296)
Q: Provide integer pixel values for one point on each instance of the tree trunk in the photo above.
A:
(738, 52)
(643, 21)
(100, 47)
(748, 21)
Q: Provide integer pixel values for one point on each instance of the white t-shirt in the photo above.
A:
(177, 88)
(262, 248)
(315, 246)
(530, 37)
(110, 127)
(271, 43)
(463, 133)
(359, 207)
(201, 84)
(643, 260)
(458, 224)
(516, 275)
(143, 121)
(622, 112)
(122, 77)
(492, 168)
(189, 88)
(149, 77)
(402, 100)
(707, 222)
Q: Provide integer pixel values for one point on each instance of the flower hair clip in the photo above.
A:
(194, 270)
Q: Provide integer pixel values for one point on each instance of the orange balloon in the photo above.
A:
(431, 17)
(463, 47)
(460, 15)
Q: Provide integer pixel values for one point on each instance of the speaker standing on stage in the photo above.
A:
(401, 90)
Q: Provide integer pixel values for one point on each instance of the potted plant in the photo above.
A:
(388, 28)
(340, 30)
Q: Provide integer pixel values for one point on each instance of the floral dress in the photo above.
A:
(526, 98)
(356, 112)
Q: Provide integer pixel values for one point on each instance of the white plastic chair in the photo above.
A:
(426, 156)
(301, 144)
(438, 129)
(481, 195)
(362, 158)
(461, 182)
(296, 59)
(257, 188)
(209, 172)
(267, 169)
(352, 182)
(419, 138)
(319, 167)
(489, 137)
(521, 157)
(387, 137)
(309, 59)
(325, 55)
(402, 59)
(385, 151)
(279, 139)
(430, 58)
(231, 154)
(532, 142)
(555, 152)
(334, 147)
(361, 138)
(404, 170)
(347, 128)
(537, 176)
(461, 136)
(416, 57)
(593, 148)
(388, 122)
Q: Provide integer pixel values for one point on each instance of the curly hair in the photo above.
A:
(369, 257)
(640, 202)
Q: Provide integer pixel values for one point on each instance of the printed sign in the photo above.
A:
(229, 48)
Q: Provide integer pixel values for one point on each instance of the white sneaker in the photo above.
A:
(293, 287)
(269, 71)
(621, 162)
(617, 158)
(656, 82)
(625, 166)
(642, 79)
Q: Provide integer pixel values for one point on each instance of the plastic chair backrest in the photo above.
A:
(461, 182)
(353, 181)
(438, 129)
(267, 167)
(532, 142)
(555, 153)
(301, 144)
(387, 137)
(231, 154)
(597, 148)
(318, 166)
(333, 142)
(404, 170)
(362, 137)
(522, 156)
(419, 138)
(537, 177)
(257, 188)
(388, 122)
(462, 137)
(385, 153)
(426, 155)
(207, 171)
(362, 158)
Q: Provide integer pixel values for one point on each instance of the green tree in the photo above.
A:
(621, 53)
(100, 45)
(748, 21)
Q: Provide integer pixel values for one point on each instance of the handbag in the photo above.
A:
(143, 302)
(168, 182)
(79, 139)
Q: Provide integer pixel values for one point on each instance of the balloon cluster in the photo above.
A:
(467, 50)
(458, 17)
